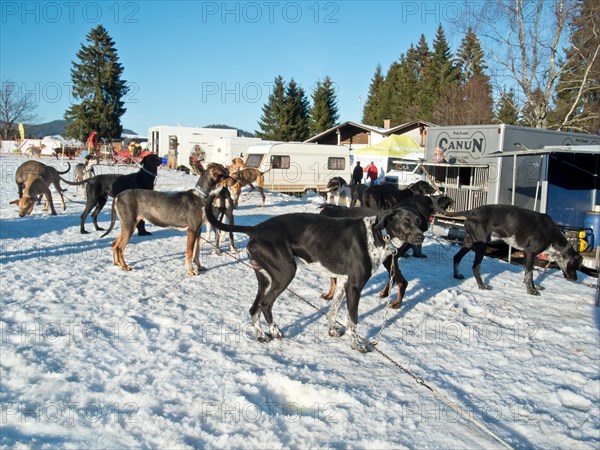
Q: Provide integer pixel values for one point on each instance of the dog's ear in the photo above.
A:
(14, 202)
(383, 217)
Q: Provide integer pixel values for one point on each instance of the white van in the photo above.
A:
(297, 167)
(406, 170)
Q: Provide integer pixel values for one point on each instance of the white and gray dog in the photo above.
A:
(84, 171)
(338, 189)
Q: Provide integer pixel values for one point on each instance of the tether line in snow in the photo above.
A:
(435, 392)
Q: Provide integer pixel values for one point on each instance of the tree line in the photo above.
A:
(538, 68)
(536, 84)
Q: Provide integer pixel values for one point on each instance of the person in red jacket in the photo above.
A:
(371, 173)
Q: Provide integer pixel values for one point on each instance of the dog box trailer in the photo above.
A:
(474, 171)
(227, 148)
(177, 144)
(298, 167)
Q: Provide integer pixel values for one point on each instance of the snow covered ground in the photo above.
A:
(94, 357)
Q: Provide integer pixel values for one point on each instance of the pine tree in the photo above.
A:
(470, 56)
(507, 110)
(324, 112)
(578, 101)
(371, 109)
(272, 121)
(296, 116)
(98, 85)
(465, 97)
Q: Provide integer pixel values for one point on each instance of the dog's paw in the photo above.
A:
(385, 293)
(336, 331)
(360, 345)
(421, 255)
(144, 233)
(485, 287)
(459, 276)
(275, 332)
(84, 232)
(264, 338)
(326, 296)
(127, 268)
(395, 304)
(539, 288)
(533, 291)
(100, 229)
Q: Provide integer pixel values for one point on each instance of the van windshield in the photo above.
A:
(254, 160)
(404, 166)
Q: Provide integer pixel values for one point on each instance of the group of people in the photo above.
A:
(359, 171)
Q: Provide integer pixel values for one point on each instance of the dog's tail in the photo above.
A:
(208, 210)
(112, 217)
(68, 168)
(75, 183)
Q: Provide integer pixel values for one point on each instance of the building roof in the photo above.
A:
(349, 128)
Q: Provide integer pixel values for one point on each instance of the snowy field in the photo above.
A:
(94, 357)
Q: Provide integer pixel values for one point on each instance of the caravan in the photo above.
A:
(297, 167)
(177, 144)
(227, 148)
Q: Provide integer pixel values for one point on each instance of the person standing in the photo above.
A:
(357, 174)
(372, 172)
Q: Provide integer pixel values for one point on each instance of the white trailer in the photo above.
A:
(478, 171)
(299, 167)
(177, 144)
(227, 148)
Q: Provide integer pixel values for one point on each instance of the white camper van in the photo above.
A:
(226, 148)
(298, 167)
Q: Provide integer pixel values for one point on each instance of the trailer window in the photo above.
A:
(336, 163)
(280, 162)
(254, 160)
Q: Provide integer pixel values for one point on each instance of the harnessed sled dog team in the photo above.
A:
(347, 242)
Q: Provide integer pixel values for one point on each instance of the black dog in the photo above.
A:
(398, 278)
(100, 187)
(386, 196)
(350, 249)
(520, 228)
(426, 206)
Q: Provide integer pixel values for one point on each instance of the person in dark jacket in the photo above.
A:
(357, 174)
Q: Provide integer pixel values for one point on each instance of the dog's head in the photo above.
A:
(25, 204)
(442, 202)
(214, 175)
(335, 184)
(91, 160)
(402, 225)
(151, 162)
(422, 187)
(569, 261)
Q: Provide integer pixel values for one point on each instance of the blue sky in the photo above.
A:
(197, 63)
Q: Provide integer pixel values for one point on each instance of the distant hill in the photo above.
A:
(241, 133)
(53, 128)
(58, 127)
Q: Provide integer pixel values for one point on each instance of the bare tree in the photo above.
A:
(524, 39)
(15, 108)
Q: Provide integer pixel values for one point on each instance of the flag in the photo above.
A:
(22, 131)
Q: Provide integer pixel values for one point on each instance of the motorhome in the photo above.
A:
(227, 148)
(298, 167)
(177, 144)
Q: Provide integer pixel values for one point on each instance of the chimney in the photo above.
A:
(387, 123)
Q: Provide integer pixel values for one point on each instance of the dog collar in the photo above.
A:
(388, 240)
(148, 172)
(200, 191)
